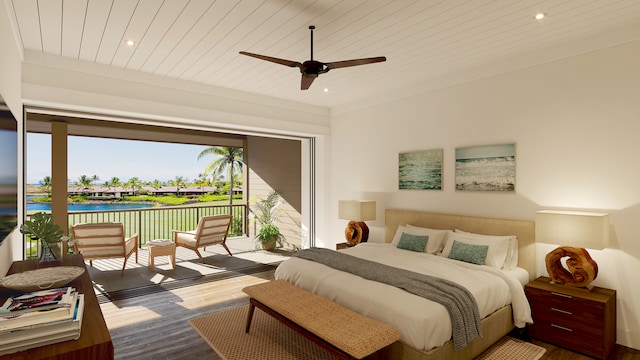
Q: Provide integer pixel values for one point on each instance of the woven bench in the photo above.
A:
(343, 332)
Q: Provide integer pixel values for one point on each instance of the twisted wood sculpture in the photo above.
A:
(582, 269)
(356, 232)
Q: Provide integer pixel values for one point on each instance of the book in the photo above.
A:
(46, 334)
(45, 340)
(38, 317)
(38, 300)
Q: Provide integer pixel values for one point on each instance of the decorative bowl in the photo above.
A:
(41, 279)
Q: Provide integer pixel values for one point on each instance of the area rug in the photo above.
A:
(270, 339)
(509, 348)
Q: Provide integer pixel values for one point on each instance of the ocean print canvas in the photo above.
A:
(486, 168)
(420, 170)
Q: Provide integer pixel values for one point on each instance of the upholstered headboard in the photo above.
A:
(523, 229)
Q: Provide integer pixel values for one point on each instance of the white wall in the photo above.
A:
(576, 126)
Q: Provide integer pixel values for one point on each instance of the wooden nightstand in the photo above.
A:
(578, 319)
(344, 245)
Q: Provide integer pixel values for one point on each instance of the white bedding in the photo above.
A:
(422, 323)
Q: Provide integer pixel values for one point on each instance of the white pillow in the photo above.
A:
(436, 237)
(511, 262)
(439, 235)
(496, 255)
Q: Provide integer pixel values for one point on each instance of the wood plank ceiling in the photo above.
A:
(425, 41)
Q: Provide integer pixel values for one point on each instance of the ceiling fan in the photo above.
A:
(310, 69)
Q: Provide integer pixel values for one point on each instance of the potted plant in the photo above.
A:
(50, 235)
(267, 214)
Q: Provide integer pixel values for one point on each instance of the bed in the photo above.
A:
(501, 306)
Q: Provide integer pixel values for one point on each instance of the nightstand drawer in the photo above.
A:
(565, 319)
(567, 310)
(569, 338)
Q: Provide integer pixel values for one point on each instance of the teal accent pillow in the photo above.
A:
(474, 254)
(413, 242)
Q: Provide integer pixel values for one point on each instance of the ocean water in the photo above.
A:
(420, 176)
(486, 174)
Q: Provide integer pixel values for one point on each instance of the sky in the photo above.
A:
(487, 151)
(123, 159)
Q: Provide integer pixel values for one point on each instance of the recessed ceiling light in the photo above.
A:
(130, 42)
(326, 89)
(539, 16)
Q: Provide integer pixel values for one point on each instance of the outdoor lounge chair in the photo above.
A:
(103, 241)
(212, 230)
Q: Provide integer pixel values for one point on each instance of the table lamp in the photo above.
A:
(357, 211)
(577, 231)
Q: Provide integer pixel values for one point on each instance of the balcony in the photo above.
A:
(139, 280)
(157, 223)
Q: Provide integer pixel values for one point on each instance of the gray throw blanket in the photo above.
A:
(459, 302)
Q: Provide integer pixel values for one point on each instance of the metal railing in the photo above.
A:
(157, 223)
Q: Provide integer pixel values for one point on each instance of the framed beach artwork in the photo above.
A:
(486, 168)
(420, 170)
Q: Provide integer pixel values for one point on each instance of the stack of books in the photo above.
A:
(40, 318)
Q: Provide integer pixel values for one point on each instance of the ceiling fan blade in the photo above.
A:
(284, 62)
(306, 81)
(355, 62)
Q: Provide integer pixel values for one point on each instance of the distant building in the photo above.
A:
(119, 191)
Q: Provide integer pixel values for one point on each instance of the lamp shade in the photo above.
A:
(572, 228)
(357, 210)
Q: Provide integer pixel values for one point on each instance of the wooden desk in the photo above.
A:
(95, 340)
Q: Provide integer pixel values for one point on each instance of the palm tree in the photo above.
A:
(85, 183)
(179, 182)
(134, 183)
(202, 181)
(156, 184)
(113, 183)
(45, 184)
(227, 159)
(218, 183)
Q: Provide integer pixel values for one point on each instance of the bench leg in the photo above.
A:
(253, 303)
(382, 354)
(252, 307)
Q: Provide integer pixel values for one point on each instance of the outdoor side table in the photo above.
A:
(161, 247)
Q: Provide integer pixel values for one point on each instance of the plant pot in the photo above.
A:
(269, 244)
(50, 252)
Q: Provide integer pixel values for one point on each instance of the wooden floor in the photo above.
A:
(155, 326)
(557, 353)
